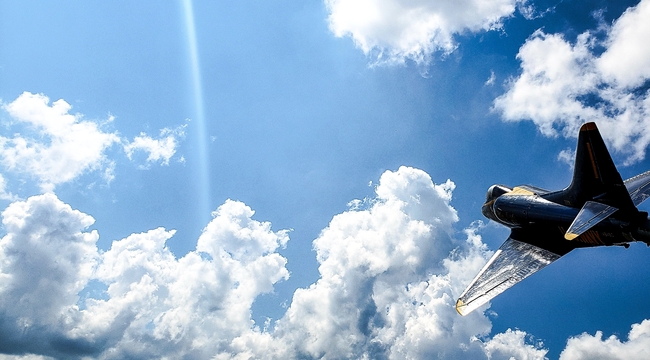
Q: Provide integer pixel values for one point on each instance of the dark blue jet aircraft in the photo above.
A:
(597, 209)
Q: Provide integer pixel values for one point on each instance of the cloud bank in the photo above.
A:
(390, 270)
(389, 276)
(563, 85)
(55, 146)
(393, 31)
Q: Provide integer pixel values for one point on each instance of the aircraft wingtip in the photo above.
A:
(460, 307)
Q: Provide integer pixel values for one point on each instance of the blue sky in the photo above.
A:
(304, 180)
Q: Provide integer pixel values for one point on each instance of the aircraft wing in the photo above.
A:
(514, 261)
(638, 187)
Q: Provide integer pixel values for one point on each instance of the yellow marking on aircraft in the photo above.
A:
(570, 236)
(460, 306)
(519, 191)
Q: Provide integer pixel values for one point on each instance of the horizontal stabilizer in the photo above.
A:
(513, 262)
(639, 187)
(591, 214)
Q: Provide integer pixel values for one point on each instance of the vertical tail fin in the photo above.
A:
(595, 177)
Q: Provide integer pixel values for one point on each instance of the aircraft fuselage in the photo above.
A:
(521, 207)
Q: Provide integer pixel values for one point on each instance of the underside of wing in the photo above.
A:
(639, 187)
(514, 261)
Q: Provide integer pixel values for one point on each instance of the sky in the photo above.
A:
(273, 180)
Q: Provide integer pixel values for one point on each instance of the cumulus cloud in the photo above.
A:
(196, 306)
(46, 259)
(154, 304)
(388, 284)
(63, 147)
(587, 346)
(563, 84)
(393, 31)
(161, 149)
(55, 146)
(513, 345)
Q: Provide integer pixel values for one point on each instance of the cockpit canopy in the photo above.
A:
(495, 191)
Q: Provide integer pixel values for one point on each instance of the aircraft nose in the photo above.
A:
(494, 192)
(488, 210)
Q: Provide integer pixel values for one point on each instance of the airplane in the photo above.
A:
(598, 208)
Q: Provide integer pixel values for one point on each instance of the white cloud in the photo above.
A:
(390, 275)
(55, 146)
(586, 346)
(155, 304)
(4, 194)
(513, 345)
(161, 149)
(388, 284)
(490, 81)
(564, 85)
(625, 62)
(65, 146)
(46, 259)
(393, 31)
(567, 156)
(197, 305)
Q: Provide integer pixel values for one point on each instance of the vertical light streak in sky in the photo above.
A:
(199, 121)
